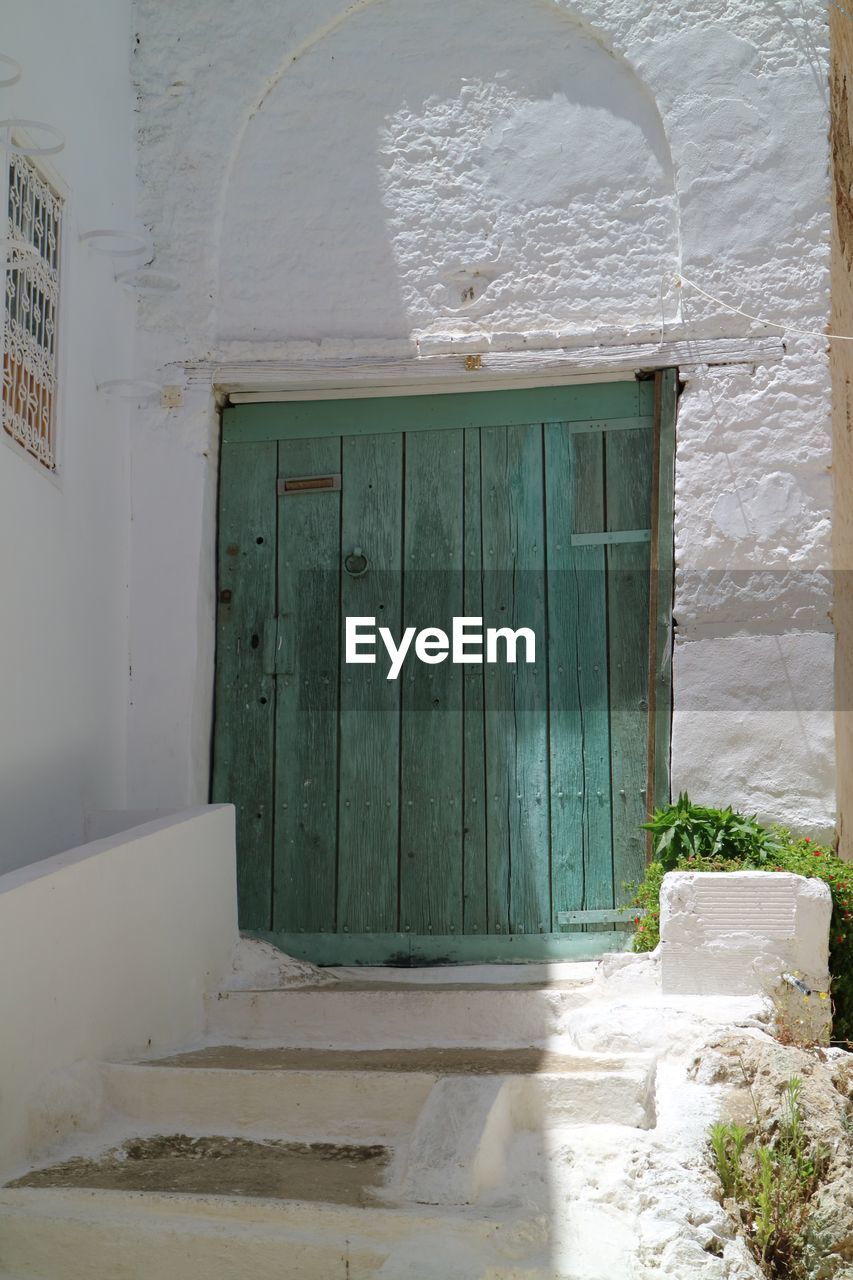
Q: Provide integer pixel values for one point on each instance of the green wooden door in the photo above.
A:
(462, 811)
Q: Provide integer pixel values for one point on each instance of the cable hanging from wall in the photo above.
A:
(682, 280)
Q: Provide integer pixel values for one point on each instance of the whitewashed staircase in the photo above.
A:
(460, 1189)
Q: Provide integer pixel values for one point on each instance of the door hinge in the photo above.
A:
(612, 538)
(610, 915)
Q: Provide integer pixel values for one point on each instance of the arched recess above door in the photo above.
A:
(480, 169)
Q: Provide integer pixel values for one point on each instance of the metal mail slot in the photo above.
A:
(307, 484)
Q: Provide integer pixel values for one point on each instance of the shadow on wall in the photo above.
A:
(449, 168)
(40, 801)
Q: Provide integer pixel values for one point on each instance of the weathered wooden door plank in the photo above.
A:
(629, 468)
(475, 890)
(589, 565)
(660, 588)
(369, 789)
(566, 722)
(577, 635)
(306, 756)
(431, 770)
(516, 694)
(530, 910)
(245, 692)
(409, 950)
(309, 418)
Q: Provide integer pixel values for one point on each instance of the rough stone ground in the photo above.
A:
(755, 1070)
(587, 1201)
(647, 1205)
(322, 1171)
(257, 965)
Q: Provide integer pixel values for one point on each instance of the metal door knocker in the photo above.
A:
(356, 563)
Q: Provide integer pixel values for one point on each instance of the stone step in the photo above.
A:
(235, 1097)
(253, 1168)
(240, 1202)
(320, 1133)
(366, 1095)
(350, 1015)
(73, 1234)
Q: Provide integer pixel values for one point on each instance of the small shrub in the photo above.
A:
(727, 1143)
(686, 830)
(770, 1181)
(798, 1022)
(689, 837)
(647, 898)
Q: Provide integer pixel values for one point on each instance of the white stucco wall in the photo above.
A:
(64, 576)
(390, 178)
(112, 946)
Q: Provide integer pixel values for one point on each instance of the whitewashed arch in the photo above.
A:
(500, 172)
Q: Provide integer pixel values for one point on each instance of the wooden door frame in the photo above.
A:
(498, 948)
(661, 585)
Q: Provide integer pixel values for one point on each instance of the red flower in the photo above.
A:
(808, 839)
(840, 938)
(816, 853)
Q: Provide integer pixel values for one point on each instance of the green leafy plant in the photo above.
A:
(690, 837)
(769, 1177)
(727, 1144)
(687, 830)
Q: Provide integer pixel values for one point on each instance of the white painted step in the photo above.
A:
(445, 1196)
(373, 1015)
(333, 1105)
(366, 1096)
(100, 1235)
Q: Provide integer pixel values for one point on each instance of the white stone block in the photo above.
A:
(458, 1147)
(739, 932)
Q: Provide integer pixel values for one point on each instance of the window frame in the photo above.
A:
(47, 173)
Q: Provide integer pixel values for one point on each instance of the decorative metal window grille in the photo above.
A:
(31, 251)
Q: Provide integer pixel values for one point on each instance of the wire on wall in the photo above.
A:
(840, 7)
(682, 280)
